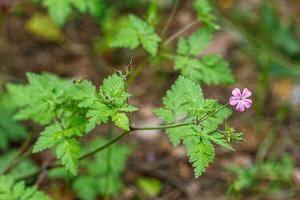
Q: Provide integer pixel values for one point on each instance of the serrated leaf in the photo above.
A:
(201, 154)
(205, 13)
(137, 32)
(121, 120)
(183, 96)
(113, 89)
(48, 138)
(126, 38)
(98, 114)
(49, 93)
(85, 92)
(201, 118)
(218, 138)
(195, 43)
(10, 130)
(68, 152)
(11, 190)
(210, 69)
(62, 9)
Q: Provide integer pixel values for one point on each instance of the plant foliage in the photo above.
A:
(185, 103)
(137, 32)
(98, 178)
(10, 130)
(70, 109)
(9, 190)
(211, 69)
(60, 10)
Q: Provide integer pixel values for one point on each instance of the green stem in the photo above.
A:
(117, 138)
(108, 166)
(159, 127)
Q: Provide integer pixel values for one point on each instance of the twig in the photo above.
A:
(21, 154)
(43, 171)
(170, 18)
(180, 32)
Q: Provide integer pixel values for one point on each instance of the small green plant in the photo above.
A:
(101, 176)
(10, 130)
(69, 110)
(275, 174)
(9, 189)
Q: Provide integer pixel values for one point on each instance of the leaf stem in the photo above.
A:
(117, 138)
(159, 127)
(170, 18)
(25, 149)
(180, 32)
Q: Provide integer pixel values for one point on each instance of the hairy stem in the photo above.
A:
(159, 127)
(117, 138)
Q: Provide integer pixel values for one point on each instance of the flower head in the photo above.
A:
(240, 99)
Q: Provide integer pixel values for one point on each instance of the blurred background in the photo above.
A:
(260, 38)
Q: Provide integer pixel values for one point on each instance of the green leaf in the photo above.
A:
(183, 96)
(113, 90)
(104, 180)
(195, 43)
(85, 92)
(10, 130)
(111, 102)
(137, 32)
(210, 69)
(68, 152)
(37, 23)
(98, 114)
(11, 190)
(150, 186)
(62, 9)
(201, 154)
(49, 93)
(218, 138)
(121, 120)
(127, 38)
(205, 13)
(185, 103)
(48, 138)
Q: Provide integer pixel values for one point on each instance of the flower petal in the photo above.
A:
(236, 92)
(246, 93)
(247, 103)
(233, 100)
(240, 107)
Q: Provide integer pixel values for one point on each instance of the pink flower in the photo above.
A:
(240, 99)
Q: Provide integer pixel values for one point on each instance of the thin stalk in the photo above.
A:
(23, 152)
(170, 18)
(137, 71)
(159, 127)
(108, 166)
(179, 32)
